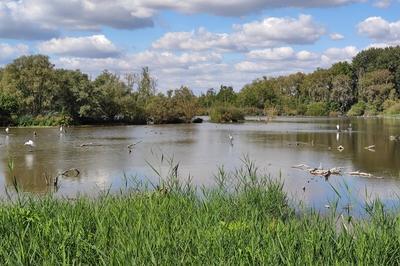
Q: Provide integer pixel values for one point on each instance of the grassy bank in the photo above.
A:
(248, 221)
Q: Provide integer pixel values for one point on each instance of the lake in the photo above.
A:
(275, 147)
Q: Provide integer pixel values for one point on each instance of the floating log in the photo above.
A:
(358, 173)
(130, 146)
(394, 138)
(90, 144)
(73, 172)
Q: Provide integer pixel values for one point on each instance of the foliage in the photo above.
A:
(31, 86)
(357, 110)
(253, 224)
(393, 108)
(226, 114)
(316, 109)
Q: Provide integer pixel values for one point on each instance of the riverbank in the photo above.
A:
(251, 223)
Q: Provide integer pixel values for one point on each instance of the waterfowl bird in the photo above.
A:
(7, 130)
(338, 127)
(29, 143)
(394, 138)
(350, 128)
(34, 133)
(231, 139)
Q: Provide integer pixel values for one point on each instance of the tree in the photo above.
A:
(342, 91)
(377, 86)
(32, 77)
(146, 85)
(186, 103)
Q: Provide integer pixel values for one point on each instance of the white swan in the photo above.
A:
(30, 143)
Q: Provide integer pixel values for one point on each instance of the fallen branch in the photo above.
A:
(130, 146)
(73, 172)
(90, 144)
(358, 173)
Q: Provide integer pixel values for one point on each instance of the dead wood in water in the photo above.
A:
(90, 144)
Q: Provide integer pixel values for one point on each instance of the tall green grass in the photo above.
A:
(246, 219)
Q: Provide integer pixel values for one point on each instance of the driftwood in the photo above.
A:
(73, 172)
(319, 172)
(394, 138)
(370, 148)
(340, 148)
(130, 146)
(90, 144)
(363, 174)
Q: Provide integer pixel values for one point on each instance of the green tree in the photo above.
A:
(342, 91)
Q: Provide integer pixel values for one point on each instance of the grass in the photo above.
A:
(245, 219)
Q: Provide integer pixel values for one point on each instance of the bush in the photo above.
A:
(394, 109)
(226, 114)
(271, 111)
(316, 109)
(43, 120)
(357, 109)
(370, 110)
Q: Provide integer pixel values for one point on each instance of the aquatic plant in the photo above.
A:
(246, 219)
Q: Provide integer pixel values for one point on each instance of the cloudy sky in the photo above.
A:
(198, 43)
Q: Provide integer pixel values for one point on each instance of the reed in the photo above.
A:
(245, 219)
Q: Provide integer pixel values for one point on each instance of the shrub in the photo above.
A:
(226, 114)
(271, 111)
(316, 109)
(370, 110)
(394, 109)
(43, 120)
(357, 109)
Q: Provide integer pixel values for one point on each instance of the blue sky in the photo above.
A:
(201, 44)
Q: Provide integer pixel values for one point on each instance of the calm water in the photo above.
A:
(200, 148)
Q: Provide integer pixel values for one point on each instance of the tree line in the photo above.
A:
(34, 92)
(368, 85)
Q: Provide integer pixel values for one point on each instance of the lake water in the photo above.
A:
(200, 149)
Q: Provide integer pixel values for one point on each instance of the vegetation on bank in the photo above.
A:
(248, 221)
(226, 114)
(34, 92)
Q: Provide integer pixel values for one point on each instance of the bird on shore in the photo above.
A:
(7, 130)
(350, 128)
(338, 128)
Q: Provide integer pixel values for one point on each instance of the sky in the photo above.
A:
(196, 43)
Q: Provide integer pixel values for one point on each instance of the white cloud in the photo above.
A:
(303, 61)
(333, 55)
(379, 29)
(383, 3)
(14, 25)
(280, 53)
(239, 7)
(336, 36)
(198, 40)
(96, 46)
(41, 19)
(268, 32)
(8, 51)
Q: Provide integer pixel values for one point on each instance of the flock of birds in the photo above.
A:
(30, 143)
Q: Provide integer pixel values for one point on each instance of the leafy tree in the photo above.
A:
(377, 86)
(342, 91)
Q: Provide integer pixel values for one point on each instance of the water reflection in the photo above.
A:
(201, 148)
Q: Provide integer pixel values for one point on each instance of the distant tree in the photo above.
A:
(186, 103)
(342, 91)
(377, 86)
